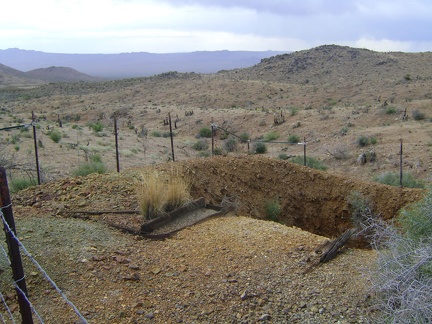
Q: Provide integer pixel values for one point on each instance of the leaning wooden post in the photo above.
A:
(36, 148)
(400, 164)
(171, 135)
(13, 247)
(116, 143)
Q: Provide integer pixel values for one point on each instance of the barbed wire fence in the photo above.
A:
(274, 148)
(13, 259)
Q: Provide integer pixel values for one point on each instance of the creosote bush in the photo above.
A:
(293, 139)
(17, 184)
(271, 136)
(159, 192)
(200, 145)
(95, 165)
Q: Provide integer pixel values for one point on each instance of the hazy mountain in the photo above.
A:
(59, 74)
(13, 77)
(126, 65)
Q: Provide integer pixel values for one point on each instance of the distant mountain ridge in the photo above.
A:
(137, 64)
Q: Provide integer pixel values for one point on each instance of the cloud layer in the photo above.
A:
(114, 26)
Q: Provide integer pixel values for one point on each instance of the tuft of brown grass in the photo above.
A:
(161, 192)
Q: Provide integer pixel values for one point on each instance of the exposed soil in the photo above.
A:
(225, 269)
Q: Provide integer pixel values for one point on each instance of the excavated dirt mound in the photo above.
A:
(230, 269)
(315, 201)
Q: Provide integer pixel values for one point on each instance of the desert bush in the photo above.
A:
(393, 179)
(373, 140)
(311, 162)
(363, 141)
(244, 137)
(271, 136)
(294, 139)
(293, 111)
(55, 135)
(259, 148)
(418, 115)
(97, 127)
(391, 111)
(17, 184)
(402, 279)
(201, 145)
(205, 132)
(156, 133)
(94, 166)
(272, 209)
(230, 144)
(159, 193)
(283, 156)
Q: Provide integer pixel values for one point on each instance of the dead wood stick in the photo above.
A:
(100, 212)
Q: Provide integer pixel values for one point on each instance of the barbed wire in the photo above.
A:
(7, 309)
(28, 301)
(47, 277)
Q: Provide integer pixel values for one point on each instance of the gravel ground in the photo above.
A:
(226, 269)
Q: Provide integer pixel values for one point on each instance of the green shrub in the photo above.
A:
(390, 111)
(55, 135)
(294, 139)
(310, 162)
(18, 184)
(293, 111)
(363, 141)
(230, 144)
(393, 179)
(259, 148)
(418, 115)
(244, 137)
(373, 140)
(283, 156)
(272, 209)
(205, 132)
(201, 145)
(156, 133)
(218, 151)
(97, 127)
(88, 168)
(271, 136)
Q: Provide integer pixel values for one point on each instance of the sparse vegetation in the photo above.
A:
(418, 115)
(17, 184)
(205, 132)
(95, 165)
(393, 179)
(55, 135)
(272, 209)
(311, 162)
(271, 136)
(363, 141)
(230, 144)
(201, 145)
(391, 111)
(97, 127)
(259, 148)
(293, 139)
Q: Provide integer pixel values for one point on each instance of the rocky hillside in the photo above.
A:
(59, 74)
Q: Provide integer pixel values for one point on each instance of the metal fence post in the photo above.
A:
(36, 148)
(400, 164)
(116, 143)
(171, 135)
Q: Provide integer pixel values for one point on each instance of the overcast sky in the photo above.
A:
(168, 26)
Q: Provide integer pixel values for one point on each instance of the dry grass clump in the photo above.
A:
(161, 192)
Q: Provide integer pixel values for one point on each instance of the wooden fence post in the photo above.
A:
(304, 151)
(14, 252)
(116, 143)
(400, 164)
(36, 148)
(171, 135)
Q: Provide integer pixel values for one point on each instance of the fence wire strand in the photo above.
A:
(7, 309)
(47, 277)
